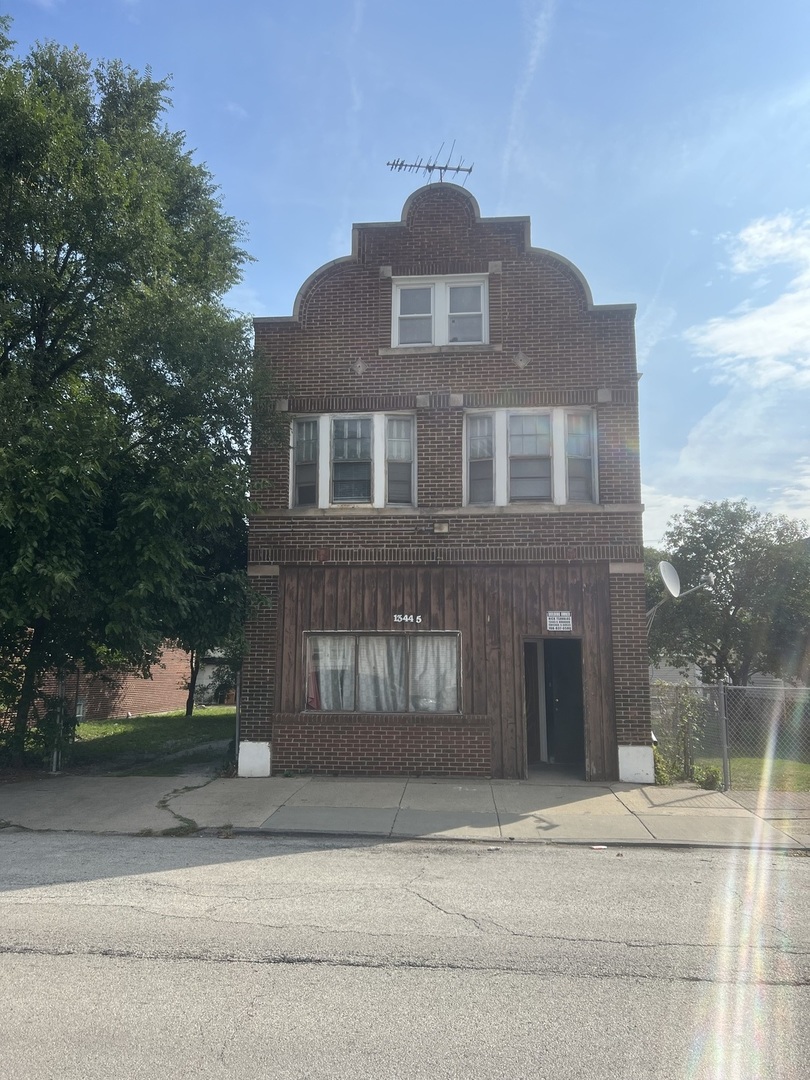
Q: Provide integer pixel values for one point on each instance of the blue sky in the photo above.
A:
(663, 148)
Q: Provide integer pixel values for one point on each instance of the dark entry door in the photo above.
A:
(565, 719)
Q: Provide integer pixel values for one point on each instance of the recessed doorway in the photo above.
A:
(555, 720)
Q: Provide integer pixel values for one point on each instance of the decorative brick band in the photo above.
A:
(519, 398)
(382, 744)
(559, 553)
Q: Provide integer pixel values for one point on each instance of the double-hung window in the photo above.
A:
(399, 460)
(382, 672)
(529, 455)
(353, 460)
(440, 311)
(305, 463)
(481, 458)
(579, 456)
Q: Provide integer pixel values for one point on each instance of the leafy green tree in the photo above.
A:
(125, 382)
(755, 618)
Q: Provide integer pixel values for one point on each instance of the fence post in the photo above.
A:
(721, 711)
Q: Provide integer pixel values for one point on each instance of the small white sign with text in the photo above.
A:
(559, 620)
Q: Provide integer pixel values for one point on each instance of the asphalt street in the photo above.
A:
(290, 957)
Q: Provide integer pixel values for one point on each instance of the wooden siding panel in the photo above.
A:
(344, 593)
(493, 665)
(476, 652)
(465, 629)
(494, 608)
(289, 606)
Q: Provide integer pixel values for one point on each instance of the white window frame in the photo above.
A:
(559, 460)
(379, 461)
(440, 304)
(408, 639)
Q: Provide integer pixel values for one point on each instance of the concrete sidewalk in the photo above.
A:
(546, 808)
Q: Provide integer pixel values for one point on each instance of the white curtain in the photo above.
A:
(434, 673)
(381, 674)
(330, 672)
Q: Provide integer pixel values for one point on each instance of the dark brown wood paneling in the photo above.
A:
(316, 603)
(495, 608)
(409, 599)
(344, 594)
(290, 638)
(450, 621)
(492, 662)
(476, 650)
(436, 619)
(330, 580)
(465, 628)
(423, 597)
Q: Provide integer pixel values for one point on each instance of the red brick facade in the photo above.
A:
(548, 347)
(377, 745)
(112, 694)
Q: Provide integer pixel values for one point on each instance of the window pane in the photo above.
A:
(465, 328)
(580, 479)
(399, 482)
(306, 440)
(330, 672)
(529, 478)
(381, 674)
(351, 440)
(434, 673)
(479, 436)
(305, 485)
(399, 439)
(351, 481)
(465, 298)
(415, 301)
(530, 435)
(578, 443)
(417, 330)
(480, 481)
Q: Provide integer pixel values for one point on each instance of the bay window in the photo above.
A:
(529, 455)
(353, 460)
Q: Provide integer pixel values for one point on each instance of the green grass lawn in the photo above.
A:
(144, 738)
(746, 773)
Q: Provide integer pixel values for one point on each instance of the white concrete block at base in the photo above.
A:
(254, 759)
(636, 765)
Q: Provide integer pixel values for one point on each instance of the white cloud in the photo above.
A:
(751, 444)
(765, 344)
(653, 325)
(540, 30)
(659, 507)
(246, 301)
(238, 111)
(793, 498)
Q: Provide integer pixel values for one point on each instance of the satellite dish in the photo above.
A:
(669, 576)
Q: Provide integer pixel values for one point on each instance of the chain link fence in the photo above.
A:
(744, 737)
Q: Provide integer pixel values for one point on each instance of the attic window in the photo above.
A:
(439, 311)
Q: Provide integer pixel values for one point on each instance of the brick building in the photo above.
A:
(450, 550)
(110, 694)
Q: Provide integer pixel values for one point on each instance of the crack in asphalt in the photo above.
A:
(209, 914)
(368, 963)
(445, 911)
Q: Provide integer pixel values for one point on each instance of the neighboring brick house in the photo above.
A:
(450, 551)
(112, 694)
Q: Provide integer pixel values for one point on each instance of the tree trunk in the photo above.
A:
(194, 671)
(33, 663)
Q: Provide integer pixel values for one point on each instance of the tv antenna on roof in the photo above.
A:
(432, 165)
